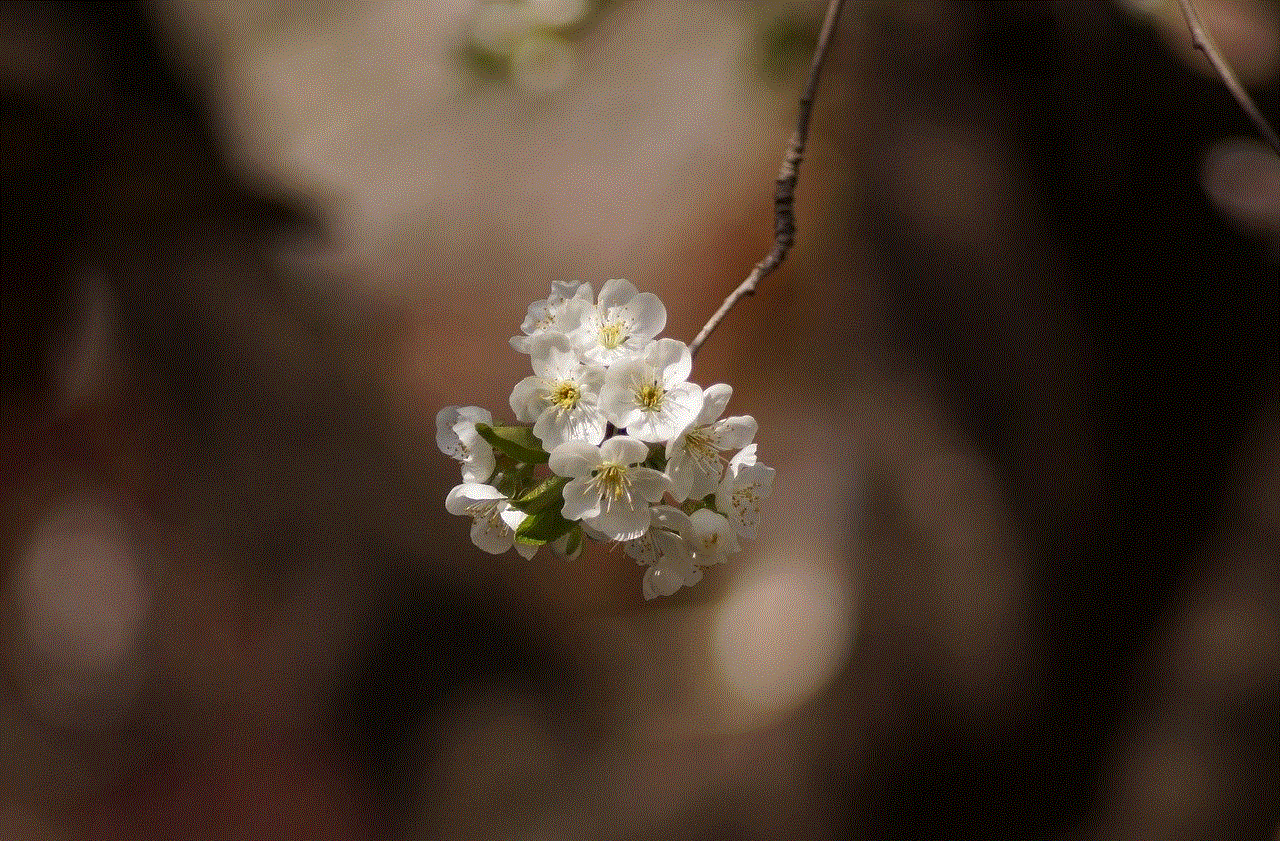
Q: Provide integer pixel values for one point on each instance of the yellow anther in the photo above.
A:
(566, 395)
(611, 334)
(649, 396)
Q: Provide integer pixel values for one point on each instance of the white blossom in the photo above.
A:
(669, 575)
(711, 537)
(649, 396)
(495, 520)
(664, 518)
(694, 463)
(620, 325)
(598, 366)
(745, 484)
(608, 491)
(562, 312)
(560, 400)
(457, 438)
(665, 549)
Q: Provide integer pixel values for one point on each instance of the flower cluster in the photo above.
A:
(636, 453)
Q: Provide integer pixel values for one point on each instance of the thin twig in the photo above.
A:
(1204, 43)
(784, 217)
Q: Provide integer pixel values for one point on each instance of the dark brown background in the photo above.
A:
(1018, 578)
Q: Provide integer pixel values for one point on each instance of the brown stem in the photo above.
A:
(784, 217)
(1204, 43)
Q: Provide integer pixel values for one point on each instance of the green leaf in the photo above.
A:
(657, 458)
(575, 540)
(543, 528)
(549, 495)
(519, 442)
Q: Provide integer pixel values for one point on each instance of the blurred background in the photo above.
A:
(1018, 577)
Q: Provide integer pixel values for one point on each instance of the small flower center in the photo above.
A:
(612, 334)
(613, 480)
(612, 483)
(649, 397)
(488, 510)
(566, 395)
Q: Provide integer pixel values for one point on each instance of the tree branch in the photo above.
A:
(784, 218)
(1204, 43)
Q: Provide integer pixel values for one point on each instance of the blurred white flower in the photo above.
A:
(745, 484)
(495, 521)
(457, 438)
(562, 311)
(666, 552)
(711, 537)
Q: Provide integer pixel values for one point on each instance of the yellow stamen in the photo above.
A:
(649, 397)
(566, 395)
(612, 335)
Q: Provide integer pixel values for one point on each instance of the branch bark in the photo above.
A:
(784, 218)
(1204, 43)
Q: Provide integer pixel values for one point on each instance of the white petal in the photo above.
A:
(526, 551)
(447, 421)
(513, 517)
(622, 450)
(468, 494)
(647, 314)
(641, 549)
(551, 355)
(474, 415)
(590, 378)
(712, 537)
(740, 494)
(479, 467)
(536, 318)
(714, 399)
(587, 423)
(574, 458)
(671, 360)
(680, 473)
(580, 501)
(462, 442)
(446, 440)
(689, 476)
(663, 579)
(620, 521)
(745, 458)
(528, 399)
(490, 538)
(617, 394)
(615, 293)
(673, 551)
(680, 405)
(555, 426)
(565, 289)
(732, 433)
(647, 482)
(654, 584)
(706, 478)
(671, 519)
